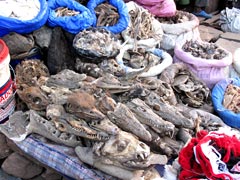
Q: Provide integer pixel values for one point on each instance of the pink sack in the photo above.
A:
(160, 8)
(210, 71)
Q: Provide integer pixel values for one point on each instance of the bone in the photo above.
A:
(47, 129)
(86, 155)
(147, 116)
(125, 119)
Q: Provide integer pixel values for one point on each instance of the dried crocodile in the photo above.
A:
(123, 117)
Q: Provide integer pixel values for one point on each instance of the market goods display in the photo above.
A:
(178, 28)
(28, 16)
(153, 60)
(110, 116)
(96, 44)
(122, 11)
(204, 50)
(231, 98)
(111, 101)
(143, 29)
(207, 61)
(107, 15)
(225, 100)
(70, 15)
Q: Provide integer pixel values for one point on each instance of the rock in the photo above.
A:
(50, 174)
(208, 33)
(37, 178)
(19, 166)
(5, 150)
(5, 176)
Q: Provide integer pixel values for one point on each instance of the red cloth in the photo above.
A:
(193, 170)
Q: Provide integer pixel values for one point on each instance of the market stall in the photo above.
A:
(100, 92)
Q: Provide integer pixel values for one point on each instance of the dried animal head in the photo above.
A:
(125, 150)
(89, 69)
(34, 97)
(148, 117)
(66, 78)
(54, 110)
(123, 117)
(106, 104)
(83, 106)
(48, 129)
(69, 124)
(29, 71)
(105, 125)
(112, 67)
(111, 84)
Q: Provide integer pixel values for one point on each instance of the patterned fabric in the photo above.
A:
(60, 158)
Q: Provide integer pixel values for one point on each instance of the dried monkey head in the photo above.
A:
(34, 97)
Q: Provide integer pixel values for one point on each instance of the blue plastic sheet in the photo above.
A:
(72, 24)
(8, 25)
(229, 117)
(123, 20)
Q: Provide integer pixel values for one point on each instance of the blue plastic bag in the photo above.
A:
(229, 117)
(72, 24)
(8, 25)
(123, 20)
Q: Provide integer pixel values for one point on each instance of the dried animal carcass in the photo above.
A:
(83, 105)
(143, 29)
(107, 15)
(208, 61)
(231, 99)
(204, 50)
(189, 89)
(29, 71)
(123, 117)
(121, 156)
(96, 44)
(146, 116)
(64, 11)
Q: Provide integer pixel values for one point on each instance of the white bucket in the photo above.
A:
(7, 98)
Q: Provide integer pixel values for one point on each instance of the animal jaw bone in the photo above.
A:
(146, 116)
(68, 124)
(47, 129)
(105, 125)
(123, 117)
(168, 112)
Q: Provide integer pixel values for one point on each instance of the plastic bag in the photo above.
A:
(20, 26)
(154, 70)
(122, 11)
(236, 60)
(230, 20)
(72, 24)
(96, 44)
(229, 117)
(180, 32)
(210, 71)
(160, 8)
